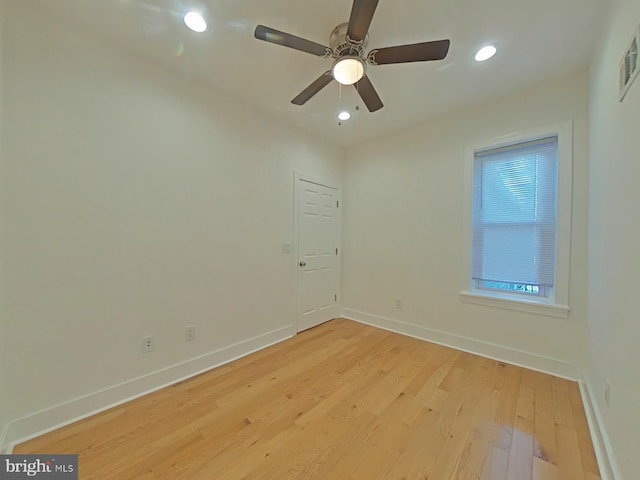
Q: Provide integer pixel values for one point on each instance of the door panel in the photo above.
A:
(317, 254)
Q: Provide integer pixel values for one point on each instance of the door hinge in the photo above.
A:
(336, 251)
(336, 297)
(337, 203)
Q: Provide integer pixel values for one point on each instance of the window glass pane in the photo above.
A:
(509, 190)
(514, 212)
(513, 287)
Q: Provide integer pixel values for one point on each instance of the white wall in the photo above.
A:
(136, 203)
(403, 211)
(614, 237)
(3, 364)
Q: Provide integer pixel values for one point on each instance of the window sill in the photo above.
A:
(522, 305)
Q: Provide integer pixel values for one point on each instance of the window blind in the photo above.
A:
(514, 213)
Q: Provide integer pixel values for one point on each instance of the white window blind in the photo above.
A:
(514, 213)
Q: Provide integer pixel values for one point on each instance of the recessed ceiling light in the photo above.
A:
(485, 53)
(344, 116)
(195, 22)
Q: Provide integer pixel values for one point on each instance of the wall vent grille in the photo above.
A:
(630, 65)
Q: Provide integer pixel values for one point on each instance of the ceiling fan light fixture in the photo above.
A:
(343, 116)
(485, 53)
(195, 21)
(348, 70)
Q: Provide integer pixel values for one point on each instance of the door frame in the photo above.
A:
(334, 185)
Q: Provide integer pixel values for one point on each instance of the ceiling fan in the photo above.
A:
(348, 42)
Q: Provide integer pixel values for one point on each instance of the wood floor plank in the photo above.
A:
(495, 464)
(587, 453)
(544, 426)
(212, 455)
(456, 417)
(416, 457)
(342, 401)
(479, 439)
(562, 412)
(429, 395)
(521, 453)
(569, 461)
(543, 470)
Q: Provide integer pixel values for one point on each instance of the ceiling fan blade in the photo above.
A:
(368, 94)
(287, 40)
(417, 52)
(361, 14)
(321, 82)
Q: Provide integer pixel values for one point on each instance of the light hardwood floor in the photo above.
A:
(342, 401)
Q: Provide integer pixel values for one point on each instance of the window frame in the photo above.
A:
(556, 302)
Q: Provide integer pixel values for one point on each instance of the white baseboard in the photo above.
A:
(601, 444)
(529, 360)
(38, 423)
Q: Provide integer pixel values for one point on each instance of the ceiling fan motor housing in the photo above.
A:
(342, 45)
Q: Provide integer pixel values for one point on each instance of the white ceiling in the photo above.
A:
(537, 40)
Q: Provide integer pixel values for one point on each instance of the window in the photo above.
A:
(514, 217)
(517, 196)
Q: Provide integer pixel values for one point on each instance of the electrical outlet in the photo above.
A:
(399, 303)
(147, 344)
(607, 392)
(287, 248)
(190, 333)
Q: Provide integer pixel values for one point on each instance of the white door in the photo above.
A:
(318, 265)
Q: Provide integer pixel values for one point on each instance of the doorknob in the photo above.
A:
(303, 263)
